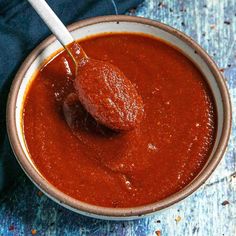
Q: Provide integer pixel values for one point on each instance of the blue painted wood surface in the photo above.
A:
(211, 211)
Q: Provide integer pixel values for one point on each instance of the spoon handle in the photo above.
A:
(52, 21)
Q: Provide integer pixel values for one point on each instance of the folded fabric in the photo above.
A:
(21, 30)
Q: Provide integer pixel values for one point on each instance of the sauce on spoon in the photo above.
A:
(105, 92)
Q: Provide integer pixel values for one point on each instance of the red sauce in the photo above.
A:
(105, 92)
(108, 95)
(95, 165)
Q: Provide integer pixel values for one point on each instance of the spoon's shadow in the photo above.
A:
(81, 122)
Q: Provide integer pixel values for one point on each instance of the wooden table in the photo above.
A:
(211, 211)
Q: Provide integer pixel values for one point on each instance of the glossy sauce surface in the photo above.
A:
(105, 92)
(96, 165)
(108, 95)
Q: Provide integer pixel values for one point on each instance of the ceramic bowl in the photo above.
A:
(95, 26)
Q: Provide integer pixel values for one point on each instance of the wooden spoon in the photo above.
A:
(102, 88)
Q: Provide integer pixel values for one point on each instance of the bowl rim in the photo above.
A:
(107, 212)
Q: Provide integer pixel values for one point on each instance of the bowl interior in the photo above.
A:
(108, 27)
(169, 36)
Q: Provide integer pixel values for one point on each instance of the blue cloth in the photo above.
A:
(21, 30)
